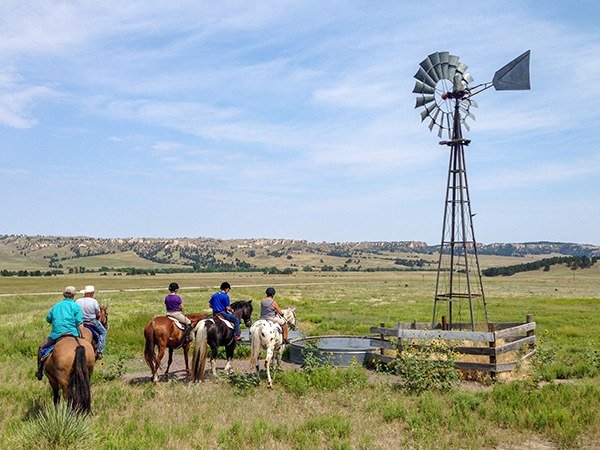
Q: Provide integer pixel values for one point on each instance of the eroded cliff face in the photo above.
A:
(205, 252)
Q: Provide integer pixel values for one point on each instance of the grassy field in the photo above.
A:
(354, 414)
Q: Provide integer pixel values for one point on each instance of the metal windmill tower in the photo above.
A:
(445, 95)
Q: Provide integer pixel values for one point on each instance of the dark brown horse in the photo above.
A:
(162, 332)
(214, 333)
(69, 368)
(103, 319)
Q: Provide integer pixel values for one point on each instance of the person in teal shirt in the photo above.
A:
(65, 317)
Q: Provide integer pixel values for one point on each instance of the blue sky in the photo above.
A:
(291, 119)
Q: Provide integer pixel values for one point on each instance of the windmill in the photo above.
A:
(446, 97)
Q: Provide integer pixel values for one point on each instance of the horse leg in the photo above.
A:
(168, 364)
(186, 349)
(268, 359)
(229, 352)
(161, 354)
(213, 357)
(55, 389)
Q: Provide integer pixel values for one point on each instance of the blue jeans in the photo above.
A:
(101, 334)
(233, 319)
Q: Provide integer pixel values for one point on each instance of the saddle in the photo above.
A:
(227, 322)
(48, 350)
(177, 323)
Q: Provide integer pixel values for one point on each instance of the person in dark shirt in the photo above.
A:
(175, 309)
(219, 303)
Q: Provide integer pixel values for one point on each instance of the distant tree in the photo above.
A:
(307, 269)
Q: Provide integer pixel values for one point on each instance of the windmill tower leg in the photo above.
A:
(459, 275)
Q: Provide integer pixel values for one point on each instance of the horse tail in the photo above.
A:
(200, 351)
(79, 382)
(255, 332)
(149, 354)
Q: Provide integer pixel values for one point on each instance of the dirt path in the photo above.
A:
(177, 370)
(141, 373)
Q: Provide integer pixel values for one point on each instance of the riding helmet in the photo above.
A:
(270, 292)
(173, 287)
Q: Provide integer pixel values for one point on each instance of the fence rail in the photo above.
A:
(501, 338)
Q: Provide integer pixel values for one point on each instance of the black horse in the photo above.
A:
(214, 332)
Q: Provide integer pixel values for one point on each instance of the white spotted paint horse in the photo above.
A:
(269, 336)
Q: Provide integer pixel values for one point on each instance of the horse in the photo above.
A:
(70, 367)
(88, 335)
(214, 332)
(162, 332)
(269, 336)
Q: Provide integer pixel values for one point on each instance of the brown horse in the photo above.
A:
(162, 332)
(70, 367)
(103, 319)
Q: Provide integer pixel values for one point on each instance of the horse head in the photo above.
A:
(243, 311)
(103, 319)
(289, 315)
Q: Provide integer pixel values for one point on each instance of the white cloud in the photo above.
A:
(16, 100)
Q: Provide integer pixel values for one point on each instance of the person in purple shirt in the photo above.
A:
(219, 303)
(175, 309)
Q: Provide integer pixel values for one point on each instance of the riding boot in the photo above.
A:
(40, 371)
(187, 336)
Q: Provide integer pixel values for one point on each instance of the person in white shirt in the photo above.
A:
(91, 310)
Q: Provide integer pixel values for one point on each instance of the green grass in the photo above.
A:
(336, 409)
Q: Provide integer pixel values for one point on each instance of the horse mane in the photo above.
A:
(241, 304)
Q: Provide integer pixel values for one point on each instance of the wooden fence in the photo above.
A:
(499, 339)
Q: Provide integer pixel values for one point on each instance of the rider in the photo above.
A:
(175, 310)
(269, 310)
(219, 303)
(91, 312)
(66, 318)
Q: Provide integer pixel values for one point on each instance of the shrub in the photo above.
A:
(429, 367)
(56, 428)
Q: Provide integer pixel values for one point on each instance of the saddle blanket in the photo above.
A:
(46, 352)
(91, 327)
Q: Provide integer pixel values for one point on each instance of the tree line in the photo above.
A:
(574, 262)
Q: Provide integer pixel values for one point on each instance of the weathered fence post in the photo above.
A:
(382, 338)
(493, 344)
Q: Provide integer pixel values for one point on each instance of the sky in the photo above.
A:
(291, 119)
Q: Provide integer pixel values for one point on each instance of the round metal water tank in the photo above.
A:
(337, 351)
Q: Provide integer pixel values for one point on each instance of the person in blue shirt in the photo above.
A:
(219, 303)
(65, 317)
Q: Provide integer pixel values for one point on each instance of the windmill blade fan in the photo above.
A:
(444, 58)
(427, 111)
(470, 102)
(421, 88)
(421, 101)
(442, 87)
(421, 75)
